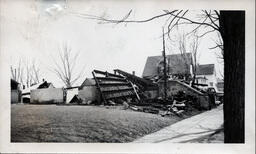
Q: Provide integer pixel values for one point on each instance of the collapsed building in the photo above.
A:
(109, 88)
(118, 87)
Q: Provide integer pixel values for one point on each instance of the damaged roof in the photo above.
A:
(207, 69)
(177, 63)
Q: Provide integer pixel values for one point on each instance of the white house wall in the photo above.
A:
(209, 78)
(88, 93)
(15, 96)
(54, 95)
(70, 94)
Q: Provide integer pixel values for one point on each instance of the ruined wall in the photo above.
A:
(89, 93)
(173, 87)
(47, 95)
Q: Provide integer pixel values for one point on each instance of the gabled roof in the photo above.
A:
(27, 90)
(177, 64)
(88, 82)
(45, 84)
(42, 84)
(207, 69)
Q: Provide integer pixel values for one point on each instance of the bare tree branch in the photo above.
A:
(64, 68)
(88, 16)
(217, 46)
(210, 17)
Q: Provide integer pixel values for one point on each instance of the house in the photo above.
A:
(206, 74)
(88, 91)
(45, 84)
(47, 96)
(220, 85)
(15, 92)
(27, 91)
(43, 92)
(178, 65)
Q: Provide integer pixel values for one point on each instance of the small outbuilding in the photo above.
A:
(43, 92)
(88, 91)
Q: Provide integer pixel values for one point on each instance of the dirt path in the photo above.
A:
(188, 129)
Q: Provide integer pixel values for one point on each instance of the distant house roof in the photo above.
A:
(88, 82)
(45, 84)
(207, 69)
(177, 64)
(27, 90)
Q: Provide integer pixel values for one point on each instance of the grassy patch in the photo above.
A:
(94, 124)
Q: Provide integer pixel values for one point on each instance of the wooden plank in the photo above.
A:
(98, 86)
(114, 84)
(111, 79)
(116, 90)
(107, 74)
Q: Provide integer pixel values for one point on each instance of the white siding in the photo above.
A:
(88, 93)
(54, 95)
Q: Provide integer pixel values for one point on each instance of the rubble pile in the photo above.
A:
(131, 92)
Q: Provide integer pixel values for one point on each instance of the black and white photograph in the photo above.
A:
(115, 72)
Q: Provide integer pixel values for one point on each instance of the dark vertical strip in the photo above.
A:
(165, 71)
(232, 26)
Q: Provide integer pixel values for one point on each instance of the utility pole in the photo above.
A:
(165, 74)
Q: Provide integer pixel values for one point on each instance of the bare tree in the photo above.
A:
(195, 54)
(17, 72)
(64, 69)
(182, 45)
(35, 71)
(26, 73)
(231, 27)
(189, 43)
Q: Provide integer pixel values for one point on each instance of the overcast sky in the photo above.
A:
(35, 29)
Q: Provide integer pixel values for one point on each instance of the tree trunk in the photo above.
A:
(232, 28)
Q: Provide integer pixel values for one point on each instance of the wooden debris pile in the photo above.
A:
(178, 105)
(128, 90)
(113, 87)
